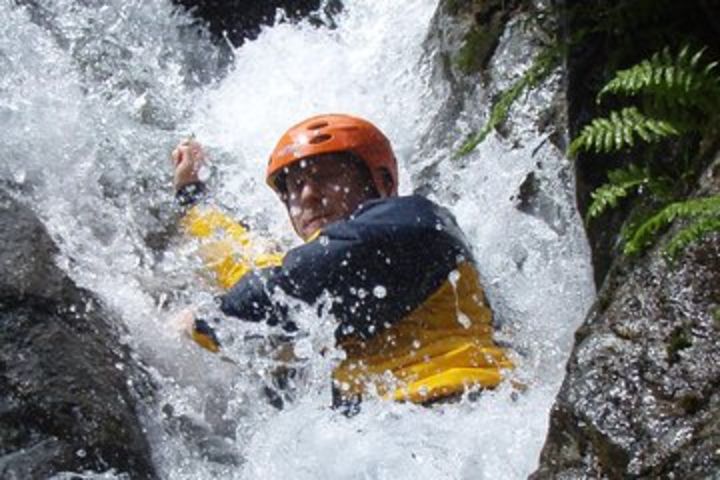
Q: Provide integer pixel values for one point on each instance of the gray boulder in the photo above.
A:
(68, 390)
(641, 397)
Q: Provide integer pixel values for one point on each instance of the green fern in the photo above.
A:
(620, 130)
(679, 94)
(690, 234)
(678, 81)
(622, 182)
(705, 211)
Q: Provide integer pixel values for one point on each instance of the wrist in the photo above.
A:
(190, 193)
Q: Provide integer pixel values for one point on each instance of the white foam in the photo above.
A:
(92, 142)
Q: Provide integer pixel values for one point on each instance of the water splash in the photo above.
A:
(94, 95)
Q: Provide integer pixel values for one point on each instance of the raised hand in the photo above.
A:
(187, 159)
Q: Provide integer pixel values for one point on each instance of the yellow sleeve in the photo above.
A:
(228, 251)
(226, 247)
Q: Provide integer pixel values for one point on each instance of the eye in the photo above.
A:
(294, 187)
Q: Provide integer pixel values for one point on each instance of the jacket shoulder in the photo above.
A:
(401, 206)
(411, 214)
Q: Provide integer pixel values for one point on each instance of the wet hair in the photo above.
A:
(349, 157)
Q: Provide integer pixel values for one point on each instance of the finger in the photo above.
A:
(198, 156)
(176, 157)
(187, 156)
(180, 155)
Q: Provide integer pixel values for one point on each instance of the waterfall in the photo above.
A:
(94, 95)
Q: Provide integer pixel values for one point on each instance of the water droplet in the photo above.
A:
(20, 176)
(379, 291)
(464, 320)
(140, 101)
(303, 348)
(204, 173)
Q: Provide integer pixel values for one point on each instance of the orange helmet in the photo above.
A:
(335, 133)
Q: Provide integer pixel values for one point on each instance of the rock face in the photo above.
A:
(462, 40)
(241, 19)
(641, 398)
(68, 390)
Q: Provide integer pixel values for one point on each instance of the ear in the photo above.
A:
(388, 185)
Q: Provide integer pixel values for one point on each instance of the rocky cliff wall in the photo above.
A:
(69, 390)
(641, 398)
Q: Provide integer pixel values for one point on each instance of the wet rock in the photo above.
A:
(533, 200)
(468, 47)
(238, 20)
(69, 392)
(462, 38)
(641, 398)
(466, 34)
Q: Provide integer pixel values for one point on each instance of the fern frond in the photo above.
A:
(661, 188)
(622, 182)
(606, 135)
(690, 234)
(707, 207)
(681, 80)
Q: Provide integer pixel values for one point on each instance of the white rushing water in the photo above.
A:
(93, 95)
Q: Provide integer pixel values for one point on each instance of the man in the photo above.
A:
(411, 314)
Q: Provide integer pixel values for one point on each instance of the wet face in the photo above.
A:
(325, 189)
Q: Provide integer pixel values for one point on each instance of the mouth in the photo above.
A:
(315, 222)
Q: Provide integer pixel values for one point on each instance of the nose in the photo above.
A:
(310, 192)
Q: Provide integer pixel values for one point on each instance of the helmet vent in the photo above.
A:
(320, 139)
(317, 125)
